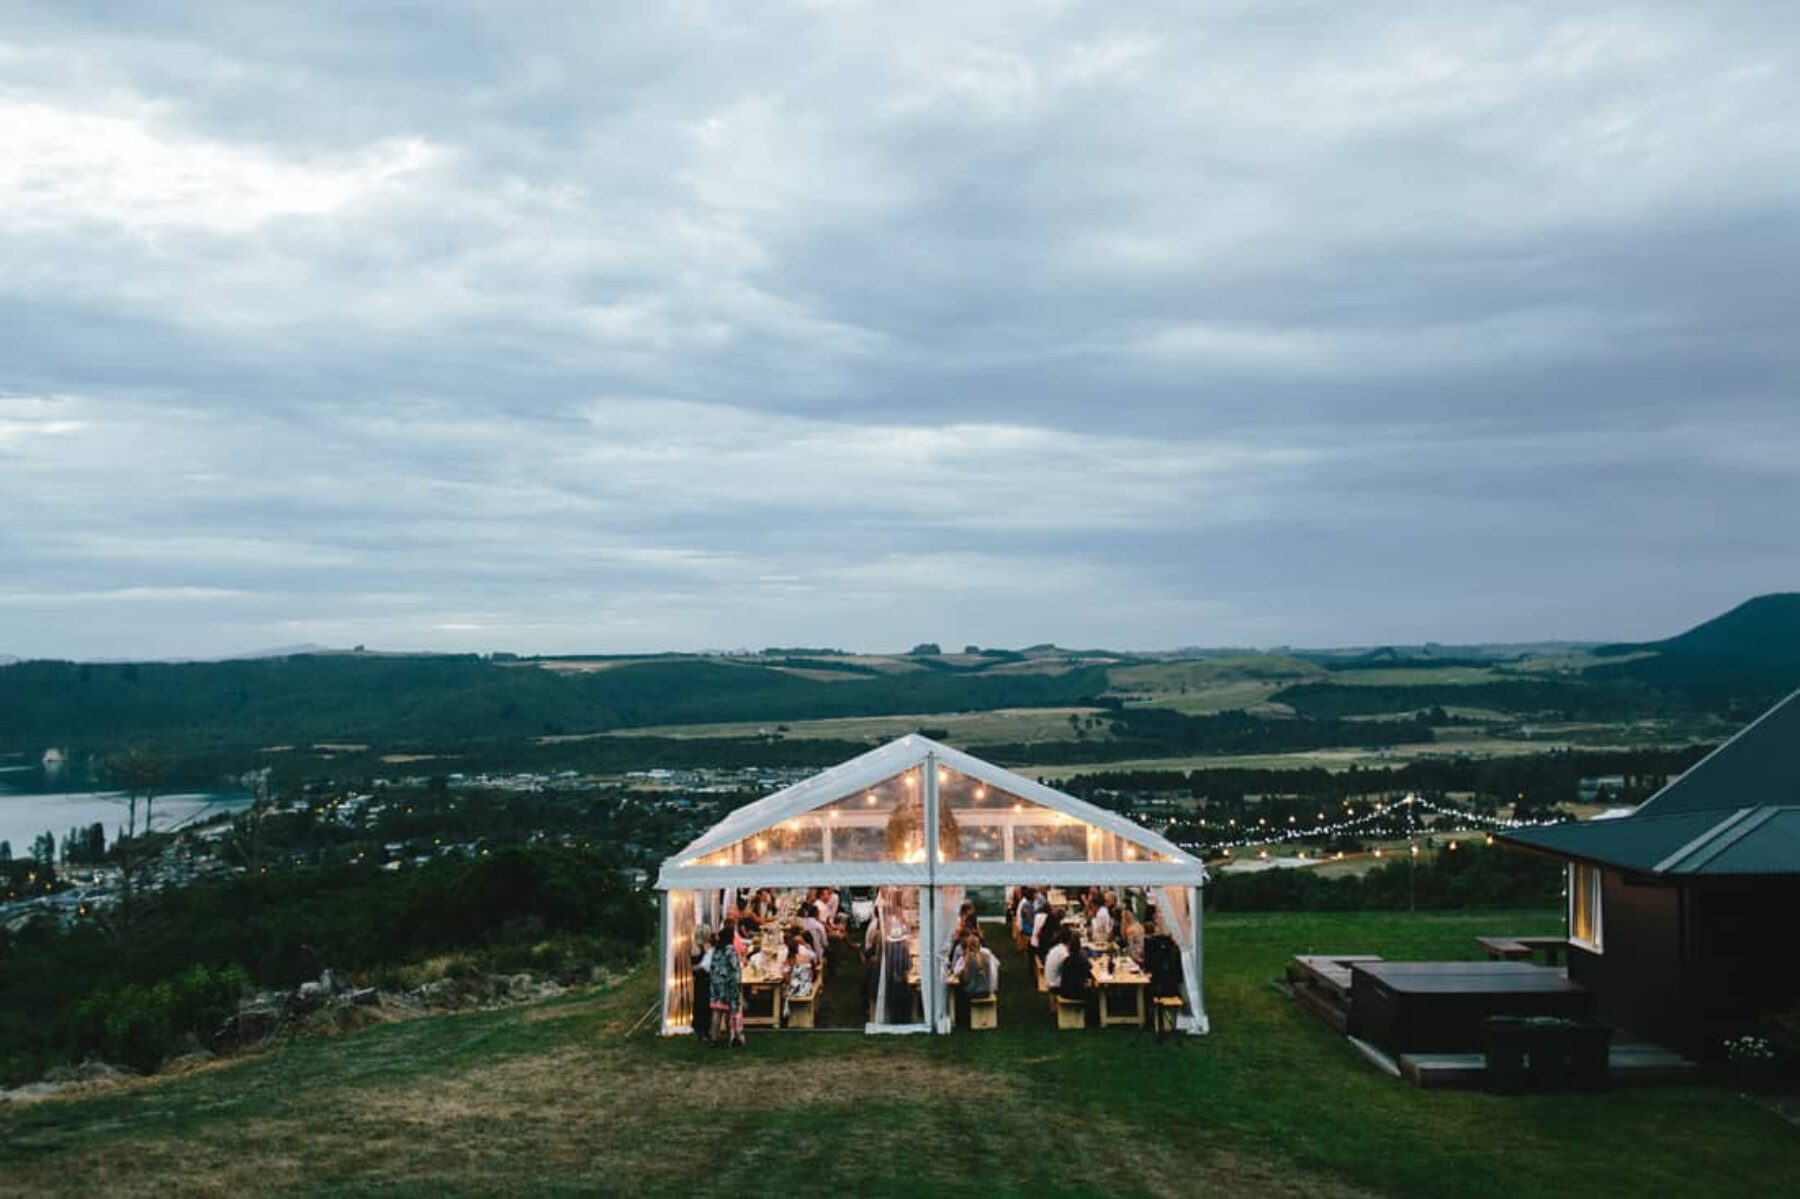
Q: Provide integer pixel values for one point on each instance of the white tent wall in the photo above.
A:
(678, 913)
(1179, 909)
(897, 920)
(1118, 853)
(683, 914)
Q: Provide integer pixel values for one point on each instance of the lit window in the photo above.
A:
(1584, 907)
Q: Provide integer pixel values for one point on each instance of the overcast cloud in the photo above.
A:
(694, 325)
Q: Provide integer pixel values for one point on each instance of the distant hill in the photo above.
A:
(1751, 652)
(377, 697)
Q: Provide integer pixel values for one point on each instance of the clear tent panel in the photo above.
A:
(883, 822)
(979, 822)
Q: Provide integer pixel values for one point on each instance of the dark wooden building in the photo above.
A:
(1684, 917)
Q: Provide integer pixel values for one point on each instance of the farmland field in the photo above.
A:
(1001, 724)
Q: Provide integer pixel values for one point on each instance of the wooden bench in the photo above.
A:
(984, 1012)
(1039, 964)
(1168, 1014)
(801, 1008)
(1070, 1013)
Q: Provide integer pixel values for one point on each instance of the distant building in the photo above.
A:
(1593, 790)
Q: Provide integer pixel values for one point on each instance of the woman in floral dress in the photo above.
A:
(727, 987)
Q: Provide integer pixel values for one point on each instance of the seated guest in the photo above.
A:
(1162, 962)
(968, 924)
(1076, 978)
(1056, 958)
(827, 903)
(800, 965)
(980, 969)
(1023, 917)
(1100, 921)
(809, 921)
(1131, 936)
(1049, 929)
(977, 974)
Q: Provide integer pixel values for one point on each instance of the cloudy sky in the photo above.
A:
(700, 325)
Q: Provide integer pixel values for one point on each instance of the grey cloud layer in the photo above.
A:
(499, 327)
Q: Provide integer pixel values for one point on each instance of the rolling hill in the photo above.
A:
(1751, 653)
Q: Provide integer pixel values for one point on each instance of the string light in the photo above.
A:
(1407, 809)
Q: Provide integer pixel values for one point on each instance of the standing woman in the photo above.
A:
(700, 959)
(727, 987)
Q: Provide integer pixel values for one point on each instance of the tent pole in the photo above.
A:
(930, 977)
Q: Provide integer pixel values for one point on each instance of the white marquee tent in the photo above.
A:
(867, 823)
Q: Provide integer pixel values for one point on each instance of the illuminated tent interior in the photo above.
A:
(867, 823)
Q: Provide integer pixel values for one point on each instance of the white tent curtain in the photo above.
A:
(949, 899)
(1179, 909)
(896, 911)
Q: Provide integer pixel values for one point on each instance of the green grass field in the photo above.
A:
(998, 724)
(558, 1099)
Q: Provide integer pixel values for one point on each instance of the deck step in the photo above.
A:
(1335, 1015)
(1627, 1064)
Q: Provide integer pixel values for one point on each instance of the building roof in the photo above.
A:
(1735, 812)
(1760, 840)
(1760, 765)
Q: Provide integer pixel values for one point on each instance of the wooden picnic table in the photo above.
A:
(1522, 949)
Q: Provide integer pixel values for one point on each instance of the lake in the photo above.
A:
(35, 801)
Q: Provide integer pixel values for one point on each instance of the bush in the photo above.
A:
(137, 1024)
(131, 995)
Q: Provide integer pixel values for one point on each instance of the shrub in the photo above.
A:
(137, 1024)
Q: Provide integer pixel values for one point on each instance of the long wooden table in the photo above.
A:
(757, 985)
(1126, 981)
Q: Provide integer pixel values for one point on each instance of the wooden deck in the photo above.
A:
(1326, 986)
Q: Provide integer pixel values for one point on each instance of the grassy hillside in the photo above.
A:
(558, 1099)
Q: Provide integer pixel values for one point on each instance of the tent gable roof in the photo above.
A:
(848, 778)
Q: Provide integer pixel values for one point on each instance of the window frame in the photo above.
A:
(1591, 879)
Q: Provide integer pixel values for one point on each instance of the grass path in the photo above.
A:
(556, 1099)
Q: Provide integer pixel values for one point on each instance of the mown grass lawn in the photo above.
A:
(557, 1098)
